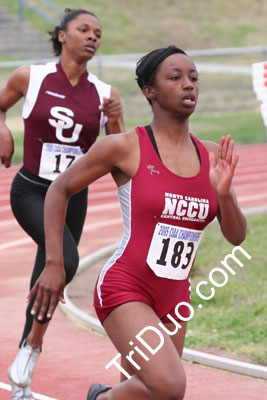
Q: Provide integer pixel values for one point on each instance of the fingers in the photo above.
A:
(234, 163)
(45, 302)
(226, 149)
(6, 161)
(111, 107)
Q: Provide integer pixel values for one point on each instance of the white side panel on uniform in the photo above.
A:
(37, 75)
(103, 90)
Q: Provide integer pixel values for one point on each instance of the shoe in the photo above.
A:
(95, 390)
(21, 370)
(27, 393)
(19, 393)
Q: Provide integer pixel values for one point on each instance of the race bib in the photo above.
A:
(56, 158)
(172, 251)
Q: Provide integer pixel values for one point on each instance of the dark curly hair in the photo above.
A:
(68, 16)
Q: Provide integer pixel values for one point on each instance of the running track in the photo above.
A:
(75, 358)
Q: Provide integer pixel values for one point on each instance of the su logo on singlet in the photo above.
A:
(62, 122)
(185, 208)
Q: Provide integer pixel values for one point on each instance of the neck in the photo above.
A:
(177, 130)
(73, 70)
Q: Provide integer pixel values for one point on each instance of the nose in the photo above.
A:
(92, 36)
(188, 84)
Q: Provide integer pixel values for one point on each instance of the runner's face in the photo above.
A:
(176, 84)
(82, 36)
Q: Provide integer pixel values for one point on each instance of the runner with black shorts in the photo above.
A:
(65, 107)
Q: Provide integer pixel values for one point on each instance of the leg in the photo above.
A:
(177, 339)
(159, 375)
(27, 202)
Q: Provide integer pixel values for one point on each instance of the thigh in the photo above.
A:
(29, 212)
(178, 340)
(134, 330)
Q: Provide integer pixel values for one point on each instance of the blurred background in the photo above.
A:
(224, 39)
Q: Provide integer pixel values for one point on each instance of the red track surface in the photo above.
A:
(74, 358)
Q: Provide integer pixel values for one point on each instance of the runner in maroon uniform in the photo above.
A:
(170, 186)
(64, 109)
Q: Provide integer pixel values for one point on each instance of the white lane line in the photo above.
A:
(5, 208)
(36, 395)
(87, 227)
(90, 209)
(100, 207)
(259, 176)
(15, 243)
(100, 195)
(4, 197)
(115, 221)
(8, 222)
(259, 196)
(249, 186)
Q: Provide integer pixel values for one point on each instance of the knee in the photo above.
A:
(172, 388)
(71, 265)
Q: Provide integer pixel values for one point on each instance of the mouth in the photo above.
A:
(90, 48)
(189, 100)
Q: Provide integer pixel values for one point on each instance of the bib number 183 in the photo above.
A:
(172, 251)
(180, 250)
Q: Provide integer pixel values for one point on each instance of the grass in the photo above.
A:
(189, 24)
(234, 321)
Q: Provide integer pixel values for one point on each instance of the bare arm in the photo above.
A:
(15, 88)
(222, 166)
(106, 155)
(112, 109)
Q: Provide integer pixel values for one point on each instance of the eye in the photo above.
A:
(175, 77)
(194, 78)
(98, 35)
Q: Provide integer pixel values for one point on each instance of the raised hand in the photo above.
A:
(111, 108)
(222, 170)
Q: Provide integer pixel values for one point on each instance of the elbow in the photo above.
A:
(239, 237)
(238, 240)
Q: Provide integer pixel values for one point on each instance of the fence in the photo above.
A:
(46, 9)
(225, 88)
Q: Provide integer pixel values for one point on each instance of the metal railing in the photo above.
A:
(39, 11)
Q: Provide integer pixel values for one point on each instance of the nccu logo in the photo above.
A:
(179, 206)
(62, 122)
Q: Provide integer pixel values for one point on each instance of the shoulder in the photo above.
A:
(210, 146)
(119, 153)
(119, 143)
(21, 75)
(18, 81)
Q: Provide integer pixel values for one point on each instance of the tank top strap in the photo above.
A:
(202, 152)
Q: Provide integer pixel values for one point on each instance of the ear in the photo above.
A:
(61, 36)
(149, 92)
